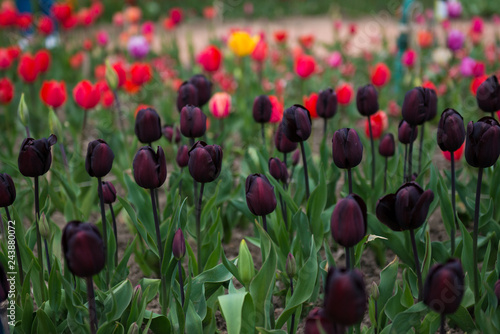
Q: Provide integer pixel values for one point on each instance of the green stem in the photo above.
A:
(417, 264)
(475, 235)
(410, 154)
(115, 231)
(349, 180)
(92, 307)
(163, 300)
(452, 232)
(104, 228)
(39, 237)
(181, 284)
(373, 152)
(198, 228)
(420, 148)
(306, 175)
(292, 324)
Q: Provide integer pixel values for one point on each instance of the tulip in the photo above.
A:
(203, 88)
(262, 111)
(318, 323)
(386, 149)
(99, 158)
(282, 143)
(409, 58)
(28, 69)
(379, 123)
(182, 156)
(187, 95)
(193, 122)
(138, 47)
(406, 135)
(35, 156)
(86, 95)
(42, 60)
(381, 74)
(310, 103)
(6, 91)
(140, 74)
(278, 170)
(454, 8)
(455, 40)
(241, 43)
(148, 126)
(179, 250)
(210, 58)
(150, 168)
(108, 192)
(220, 105)
(367, 100)
(246, 268)
(305, 66)
(326, 106)
(488, 95)
(345, 296)
(53, 93)
(260, 196)
(171, 133)
(347, 150)
(344, 94)
(176, 15)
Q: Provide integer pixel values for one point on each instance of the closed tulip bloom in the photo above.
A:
(305, 66)
(187, 95)
(260, 196)
(419, 105)
(182, 157)
(150, 167)
(220, 105)
(297, 123)
(404, 133)
(171, 133)
(482, 144)
(140, 74)
(205, 162)
(318, 323)
(203, 87)
(83, 248)
(444, 287)
(179, 245)
(53, 93)
(488, 95)
(42, 60)
(278, 169)
(210, 58)
(367, 100)
(86, 95)
(4, 285)
(35, 156)
(262, 109)
(326, 107)
(193, 122)
(347, 148)
(282, 143)
(28, 69)
(7, 191)
(380, 75)
(6, 91)
(148, 126)
(99, 158)
(406, 209)
(387, 146)
(345, 296)
(348, 222)
(108, 192)
(451, 131)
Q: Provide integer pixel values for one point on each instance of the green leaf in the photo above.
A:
(55, 293)
(284, 194)
(44, 324)
(159, 323)
(315, 207)
(463, 319)
(387, 282)
(121, 295)
(404, 321)
(232, 309)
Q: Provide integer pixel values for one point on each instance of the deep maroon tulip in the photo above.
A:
(404, 133)
(482, 145)
(295, 158)
(406, 209)
(419, 105)
(35, 156)
(283, 144)
(318, 323)
(193, 122)
(99, 158)
(488, 95)
(278, 169)
(444, 287)
(348, 222)
(83, 248)
(205, 162)
(7, 191)
(262, 109)
(387, 146)
(451, 131)
(147, 126)
(150, 168)
(345, 296)
(182, 157)
(297, 123)
(168, 132)
(347, 148)
(108, 192)
(367, 100)
(326, 106)
(497, 290)
(179, 245)
(260, 196)
(203, 87)
(4, 285)
(187, 95)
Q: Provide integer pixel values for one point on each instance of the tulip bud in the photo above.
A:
(278, 169)
(205, 162)
(374, 292)
(347, 148)
(404, 132)
(134, 329)
(111, 76)
(326, 106)
(482, 145)
(318, 323)
(203, 87)
(187, 95)
(99, 158)
(283, 144)
(262, 109)
(290, 266)
(150, 168)
(182, 156)
(168, 132)
(419, 105)
(260, 196)
(108, 192)
(387, 146)
(245, 264)
(83, 248)
(179, 245)
(488, 95)
(367, 100)
(296, 158)
(193, 122)
(497, 290)
(7, 191)
(348, 222)
(345, 296)
(35, 156)
(147, 126)
(451, 131)
(55, 125)
(444, 287)
(137, 294)
(44, 227)
(23, 111)
(297, 123)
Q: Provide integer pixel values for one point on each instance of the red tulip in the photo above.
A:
(76, 60)
(53, 93)
(277, 111)
(306, 41)
(259, 54)
(13, 52)
(42, 60)
(379, 122)
(28, 69)
(476, 82)
(176, 15)
(23, 20)
(61, 11)
(430, 85)
(140, 74)
(5, 59)
(380, 75)
(45, 25)
(86, 95)
(120, 72)
(280, 36)
(210, 58)
(304, 66)
(6, 91)
(310, 104)
(71, 22)
(8, 17)
(345, 92)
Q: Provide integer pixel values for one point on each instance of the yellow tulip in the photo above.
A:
(241, 43)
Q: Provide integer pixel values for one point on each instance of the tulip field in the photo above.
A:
(163, 170)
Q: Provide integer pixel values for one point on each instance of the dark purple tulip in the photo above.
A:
(482, 145)
(295, 158)
(205, 162)
(35, 156)
(406, 209)
(444, 287)
(451, 131)
(367, 100)
(488, 95)
(193, 122)
(387, 146)
(203, 87)
(297, 123)
(150, 168)
(348, 222)
(168, 132)
(187, 95)
(326, 106)
(83, 248)
(497, 290)
(283, 144)
(347, 148)
(318, 323)
(7, 191)
(4, 285)
(108, 192)
(290, 266)
(262, 109)
(99, 158)
(404, 132)
(278, 169)
(419, 105)
(147, 126)
(260, 196)
(345, 296)
(179, 245)
(182, 157)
